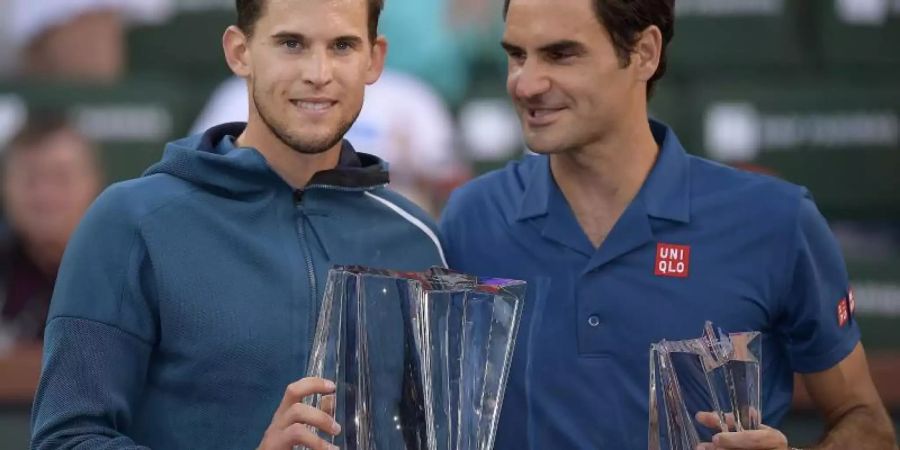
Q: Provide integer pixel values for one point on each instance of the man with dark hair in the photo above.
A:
(249, 11)
(626, 240)
(186, 304)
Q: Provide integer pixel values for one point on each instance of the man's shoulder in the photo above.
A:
(404, 211)
(499, 191)
(131, 201)
(744, 190)
(402, 206)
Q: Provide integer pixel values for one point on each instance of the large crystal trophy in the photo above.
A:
(717, 373)
(420, 359)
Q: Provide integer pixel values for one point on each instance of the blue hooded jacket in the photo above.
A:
(187, 298)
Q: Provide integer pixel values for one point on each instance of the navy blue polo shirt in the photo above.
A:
(700, 241)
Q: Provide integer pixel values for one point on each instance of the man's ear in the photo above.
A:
(376, 62)
(235, 44)
(647, 52)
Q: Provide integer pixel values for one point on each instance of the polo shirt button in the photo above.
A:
(594, 321)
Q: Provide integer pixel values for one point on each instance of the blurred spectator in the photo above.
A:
(72, 40)
(403, 121)
(50, 175)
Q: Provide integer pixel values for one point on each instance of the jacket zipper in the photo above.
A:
(329, 187)
(311, 273)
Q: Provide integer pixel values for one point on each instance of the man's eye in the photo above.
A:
(343, 46)
(559, 56)
(291, 44)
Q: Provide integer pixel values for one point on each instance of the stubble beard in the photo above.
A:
(298, 143)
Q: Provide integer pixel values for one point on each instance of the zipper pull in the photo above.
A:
(298, 196)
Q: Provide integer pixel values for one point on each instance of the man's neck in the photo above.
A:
(293, 167)
(600, 180)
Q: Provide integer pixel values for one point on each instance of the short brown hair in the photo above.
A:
(249, 11)
(626, 19)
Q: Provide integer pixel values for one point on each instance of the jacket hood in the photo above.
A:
(201, 160)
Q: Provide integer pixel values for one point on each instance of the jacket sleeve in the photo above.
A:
(99, 336)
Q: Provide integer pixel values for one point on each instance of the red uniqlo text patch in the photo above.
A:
(843, 312)
(672, 260)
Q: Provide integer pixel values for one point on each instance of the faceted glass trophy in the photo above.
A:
(717, 373)
(420, 359)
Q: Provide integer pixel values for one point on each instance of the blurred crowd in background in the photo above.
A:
(90, 90)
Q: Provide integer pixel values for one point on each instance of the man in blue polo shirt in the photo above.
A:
(625, 240)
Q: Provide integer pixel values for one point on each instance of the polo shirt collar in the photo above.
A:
(540, 184)
(666, 192)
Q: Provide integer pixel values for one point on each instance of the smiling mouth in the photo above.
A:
(541, 116)
(313, 105)
(542, 112)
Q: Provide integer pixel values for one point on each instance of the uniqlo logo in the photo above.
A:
(672, 260)
(851, 301)
(843, 312)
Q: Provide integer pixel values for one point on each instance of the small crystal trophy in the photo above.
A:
(717, 373)
(420, 359)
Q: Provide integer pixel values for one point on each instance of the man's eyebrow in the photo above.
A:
(289, 35)
(349, 38)
(564, 46)
(510, 47)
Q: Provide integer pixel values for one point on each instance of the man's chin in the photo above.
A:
(313, 148)
(543, 146)
(312, 144)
